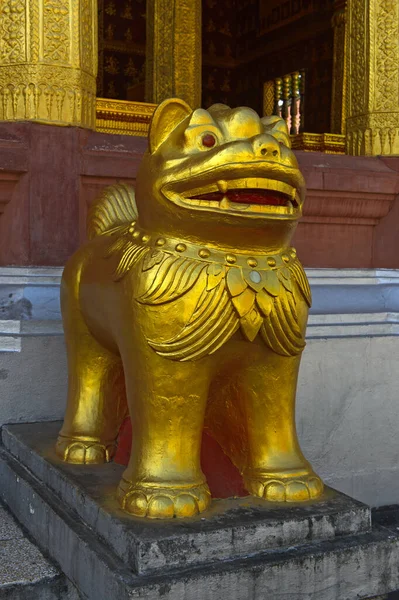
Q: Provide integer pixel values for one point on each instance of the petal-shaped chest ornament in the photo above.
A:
(260, 299)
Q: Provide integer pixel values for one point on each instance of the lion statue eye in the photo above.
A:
(208, 140)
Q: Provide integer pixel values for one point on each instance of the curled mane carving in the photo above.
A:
(114, 208)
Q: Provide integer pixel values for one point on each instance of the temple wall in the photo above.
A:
(349, 213)
(50, 175)
(48, 178)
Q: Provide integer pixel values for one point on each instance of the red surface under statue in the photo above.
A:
(223, 477)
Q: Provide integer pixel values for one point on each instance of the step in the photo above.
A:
(241, 549)
(25, 573)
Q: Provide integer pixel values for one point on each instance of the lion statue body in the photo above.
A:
(189, 304)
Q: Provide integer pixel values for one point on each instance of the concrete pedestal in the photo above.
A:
(243, 549)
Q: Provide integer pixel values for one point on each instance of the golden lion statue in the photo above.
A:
(189, 293)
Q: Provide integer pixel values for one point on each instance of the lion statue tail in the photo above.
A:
(115, 207)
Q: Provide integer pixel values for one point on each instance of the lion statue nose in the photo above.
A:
(266, 146)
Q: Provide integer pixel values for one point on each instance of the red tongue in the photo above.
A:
(255, 197)
(249, 197)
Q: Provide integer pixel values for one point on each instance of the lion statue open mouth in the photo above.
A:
(189, 301)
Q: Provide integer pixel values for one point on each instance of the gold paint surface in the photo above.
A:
(372, 124)
(340, 67)
(329, 143)
(123, 117)
(187, 308)
(173, 50)
(48, 61)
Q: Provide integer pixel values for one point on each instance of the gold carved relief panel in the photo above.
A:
(373, 85)
(46, 73)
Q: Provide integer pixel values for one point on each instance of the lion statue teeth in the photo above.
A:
(187, 308)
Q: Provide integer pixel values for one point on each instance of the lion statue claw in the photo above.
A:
(187, 308)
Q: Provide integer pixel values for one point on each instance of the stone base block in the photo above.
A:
(243, 549)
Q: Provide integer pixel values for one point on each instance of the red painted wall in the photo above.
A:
(50, 175)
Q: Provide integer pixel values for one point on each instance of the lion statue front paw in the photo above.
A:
(282, 487)
(147, 500)
(83, 452)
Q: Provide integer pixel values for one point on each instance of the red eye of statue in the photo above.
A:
(208, 140)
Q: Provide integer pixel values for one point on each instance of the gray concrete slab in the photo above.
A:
(25, 574)
(233, 528)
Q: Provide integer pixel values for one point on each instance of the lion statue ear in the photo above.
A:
(167, 116)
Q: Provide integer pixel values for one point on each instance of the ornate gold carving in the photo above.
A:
(358, 53)
(191, 283)
(256, 301)
(386, 32)
(173, 62)
(268, 98)
(48, 61)
(12, 31)
(126, 118)
(373, 96)
(56, 34)
(89, 36)
(339, 80)
(329, 143)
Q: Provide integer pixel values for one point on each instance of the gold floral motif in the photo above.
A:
(173, 50)
(89, 36)
(110, 9)
(387, 55)
(130, 70)
(339, 80)
(111, 90)
(357, 57)
(46, 73)
(373, 85)
(110, 32)
(210, 28)
(12, 27)
(127, 11)
(56, 35)
(111, 65)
